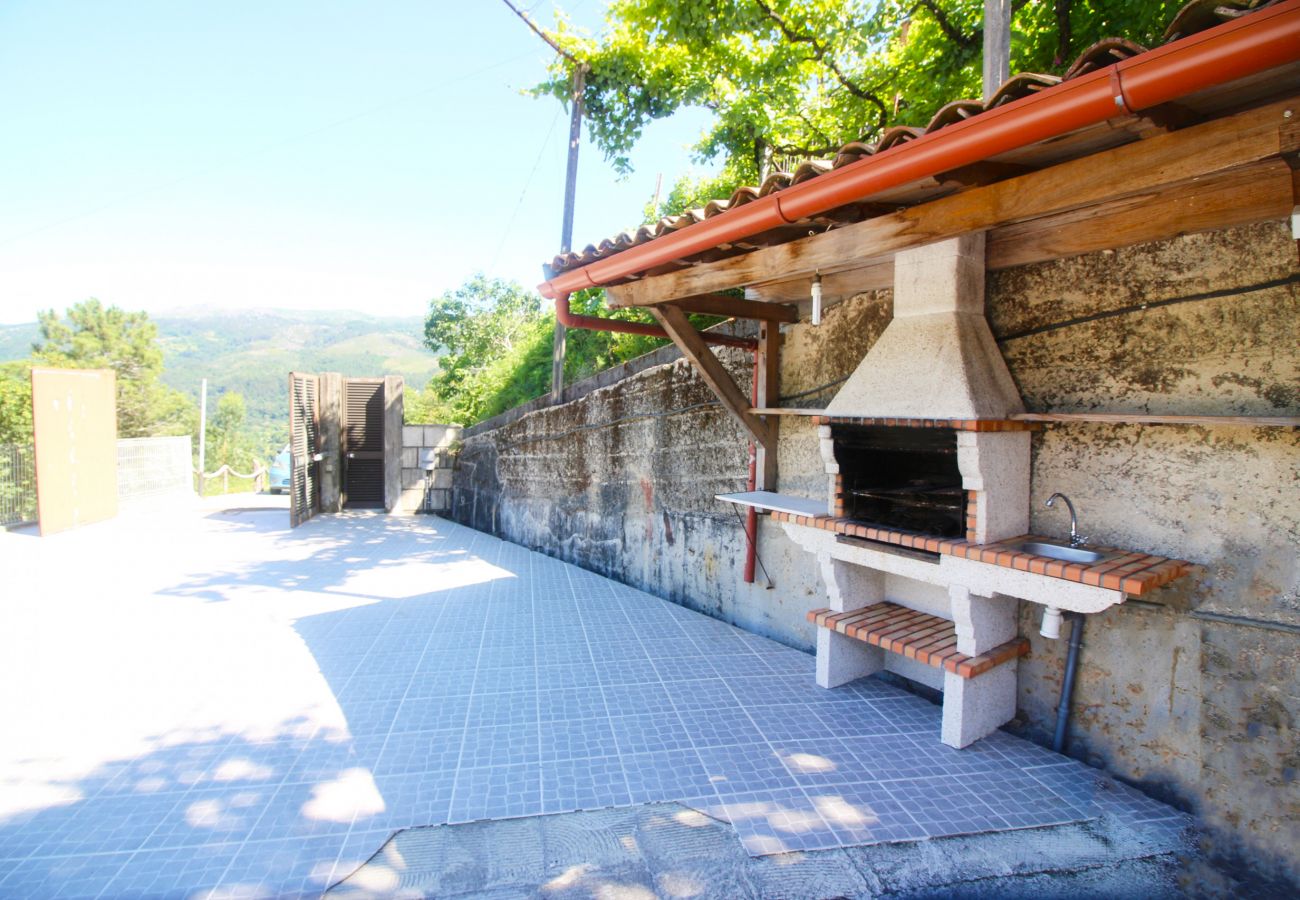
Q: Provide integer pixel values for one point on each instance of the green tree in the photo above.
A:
(15, 403)
(797, 79)
(228, 440)
(484, 328)
(497, 344)
(93, 336)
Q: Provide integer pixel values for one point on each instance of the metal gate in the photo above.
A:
(363, 442)
(304, 447)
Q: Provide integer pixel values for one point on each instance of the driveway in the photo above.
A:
(198, 701)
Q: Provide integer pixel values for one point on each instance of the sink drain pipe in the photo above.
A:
(1067, 683)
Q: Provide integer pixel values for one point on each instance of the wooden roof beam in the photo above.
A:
(1138, 169)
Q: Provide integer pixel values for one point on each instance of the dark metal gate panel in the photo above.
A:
(363, 442)
(304, 447)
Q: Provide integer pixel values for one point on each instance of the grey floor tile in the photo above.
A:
(626, 672)
(720, 727)
(637, 699)
(649, 732)
(283, 868)
(565, 673)
(789, 721)
(945, 805)
(431, 714)
(212, 815)
(518, 707)
(576, 739)
(499, 792)
(587, 783)
(667, 775)
(557, 703)
(172, 873)
(778, 821)
(408, 800)
(701, 694)
(864, 813)
(819, 761)
(65, 877)
(745, 769)
(420, 751)
(501, 745)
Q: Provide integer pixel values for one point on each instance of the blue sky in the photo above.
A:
(295, 154)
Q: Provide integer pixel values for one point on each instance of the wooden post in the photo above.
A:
(203, 433)
(566, 228)
(997, 45)
(769, 391)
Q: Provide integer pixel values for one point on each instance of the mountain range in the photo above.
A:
(253, 351)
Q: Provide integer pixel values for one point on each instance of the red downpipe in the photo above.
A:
(1263, 40)
(751, 516)
(570, 319)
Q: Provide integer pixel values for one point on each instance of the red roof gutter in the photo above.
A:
(1255, 43)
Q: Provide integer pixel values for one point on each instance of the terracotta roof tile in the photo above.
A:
(1196, 16)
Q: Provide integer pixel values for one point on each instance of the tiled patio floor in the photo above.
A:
(209, 703)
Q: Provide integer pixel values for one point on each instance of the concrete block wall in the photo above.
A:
(445, 440)
(1194, 693)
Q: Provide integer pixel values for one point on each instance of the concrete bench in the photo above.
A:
(979, 688)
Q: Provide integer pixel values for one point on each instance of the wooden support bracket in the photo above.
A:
(715, 375)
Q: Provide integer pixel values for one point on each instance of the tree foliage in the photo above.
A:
(92, 336)
(15, 403)
(228, 440)
(497, 343)
(800, 78)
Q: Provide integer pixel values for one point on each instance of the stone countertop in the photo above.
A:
(1132, 572)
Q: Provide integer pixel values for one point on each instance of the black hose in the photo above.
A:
(1067, 683)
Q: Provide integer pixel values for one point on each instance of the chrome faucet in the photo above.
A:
(1076, 539)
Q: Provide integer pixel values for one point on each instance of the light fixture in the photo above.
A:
(817, 298)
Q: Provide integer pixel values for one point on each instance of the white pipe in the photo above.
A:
(1051, 623)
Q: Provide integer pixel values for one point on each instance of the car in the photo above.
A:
(278, 476)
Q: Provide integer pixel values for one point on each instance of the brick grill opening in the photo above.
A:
(901, 478)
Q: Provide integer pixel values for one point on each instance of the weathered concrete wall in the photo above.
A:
(1197, 709)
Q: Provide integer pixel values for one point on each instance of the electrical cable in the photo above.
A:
(1154, 304)
(528, 183)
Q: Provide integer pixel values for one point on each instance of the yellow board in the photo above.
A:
(74, 420)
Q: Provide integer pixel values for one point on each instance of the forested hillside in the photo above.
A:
(253, 351)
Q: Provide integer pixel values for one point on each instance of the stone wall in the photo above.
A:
(1192, 693)
(444, 441)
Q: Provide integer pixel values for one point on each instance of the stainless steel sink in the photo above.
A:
(1061, 552)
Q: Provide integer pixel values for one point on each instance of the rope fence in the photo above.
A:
(258, 475)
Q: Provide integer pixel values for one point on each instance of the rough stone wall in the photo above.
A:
(1198, 709)
(622, 482)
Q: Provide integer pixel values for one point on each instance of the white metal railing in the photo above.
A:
(152, 467)
(17, 484)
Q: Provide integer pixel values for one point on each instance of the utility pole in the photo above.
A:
(566, 226)
(203, 432)
(570, 182)
(997, 45)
